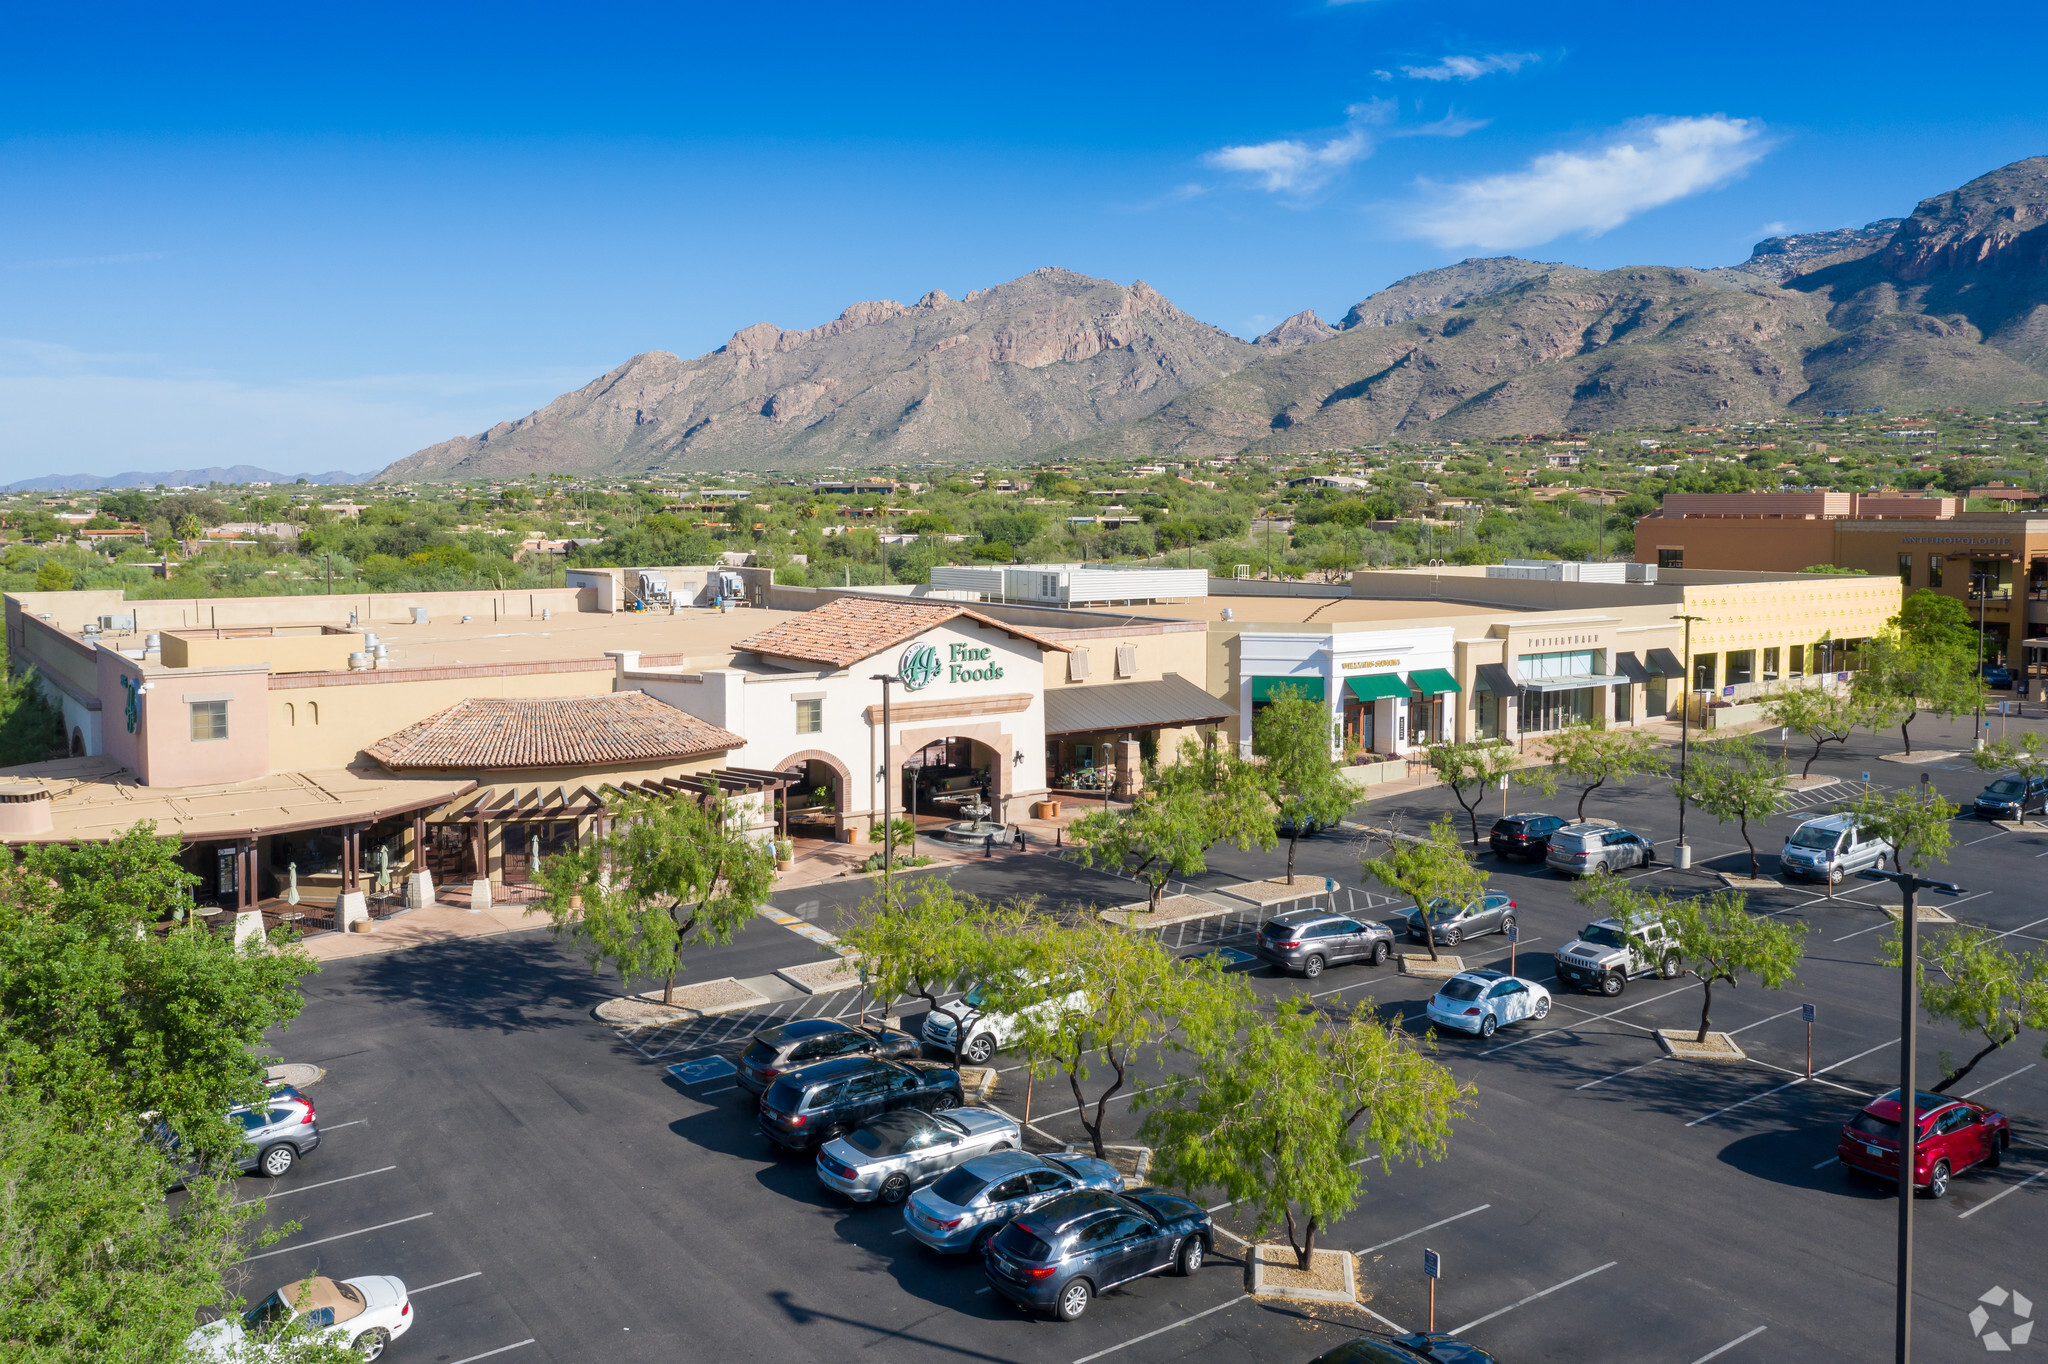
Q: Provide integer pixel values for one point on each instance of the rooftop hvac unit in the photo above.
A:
(117, 622)
(654, 589)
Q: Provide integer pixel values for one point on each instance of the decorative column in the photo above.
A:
(352, 907)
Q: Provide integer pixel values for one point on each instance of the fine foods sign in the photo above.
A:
(964, 663)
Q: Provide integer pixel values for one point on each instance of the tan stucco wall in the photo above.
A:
(293, 653)
(1182, 651)
(327, 726)
(1776, 545)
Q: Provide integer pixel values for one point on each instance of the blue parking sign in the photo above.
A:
(1432, 1265)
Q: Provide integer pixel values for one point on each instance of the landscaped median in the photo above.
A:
(1683, 1044)
(1273, 1271)
(1174, 909)
(688, 1002)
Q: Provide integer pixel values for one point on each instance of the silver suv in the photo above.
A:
(1830, 848)
(1583, 849)
(1609, 953)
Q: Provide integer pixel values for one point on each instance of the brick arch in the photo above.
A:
(990, 734)
(839, 769)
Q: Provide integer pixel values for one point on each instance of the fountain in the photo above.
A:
(974, 829)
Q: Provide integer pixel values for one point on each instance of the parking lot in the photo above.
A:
(552, 1190)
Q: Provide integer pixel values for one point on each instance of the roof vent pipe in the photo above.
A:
(358, 662)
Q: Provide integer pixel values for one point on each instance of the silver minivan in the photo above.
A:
(1830, 848)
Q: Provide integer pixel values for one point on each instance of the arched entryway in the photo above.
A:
(815, 805)
(942, 775)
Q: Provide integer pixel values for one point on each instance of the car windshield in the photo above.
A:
(273, 1311)
(1808, 836)
(1600, 935)
(1014, 1241)
(1870, 1125)
(2007, 786)
(958, 1187)
(1061, 1166)
(1441, 908)
(1462, 990)
(972, 999)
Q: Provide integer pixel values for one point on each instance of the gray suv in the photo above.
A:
(1583, 849)
(1307, 940)
(1608, 953)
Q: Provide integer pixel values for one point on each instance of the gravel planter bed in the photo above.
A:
(1719, 1046)
(701, 1000)
(1264, 893)
(1270, 1273)
(1174, 909)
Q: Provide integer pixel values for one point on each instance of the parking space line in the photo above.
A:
(337, 1126)
(2001, 1079)
(1829, 1161)
(1798, 1080)
(1590, 1018)
(343, 1236)
(1619, 1073)
(1461, 1330)
(1136, 1340)
(1419, 1230)
(1115, 1098)
(2002, 1193)
(502, 1349)
(1716, 1354)
(721, 1090)
(365, 1175)
(459, 1278)
(2021, 929)
(1761, 1021)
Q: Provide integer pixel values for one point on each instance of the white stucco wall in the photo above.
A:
(1336, 656)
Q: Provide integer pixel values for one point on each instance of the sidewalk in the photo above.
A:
(511, 911)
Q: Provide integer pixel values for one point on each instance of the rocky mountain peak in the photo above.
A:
(1975, 224)
(1304, 328)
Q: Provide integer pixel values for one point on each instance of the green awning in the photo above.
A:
(1433, 681)
(1377, 687)
(1266, 689)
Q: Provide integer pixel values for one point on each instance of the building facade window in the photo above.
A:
(1671, 558)
(209, 720)
(1770, 665)
(810, 715)
(1906, 569)
(1798, 660)
(1486, 714)
(1934, 570)
(1703, 671)
(1741, 667)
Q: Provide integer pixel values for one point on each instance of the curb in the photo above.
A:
(1719, 1046)
(1255, 1275)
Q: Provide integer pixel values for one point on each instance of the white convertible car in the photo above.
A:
(367, 1313)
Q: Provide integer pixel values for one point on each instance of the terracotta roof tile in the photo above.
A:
(846, 630)
(570, 731)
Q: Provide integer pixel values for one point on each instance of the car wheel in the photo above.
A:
(1507, 922)
(979, 1049)
(372, 1343)
(1997, 1156)
(979, 1245)
(1452, 937)
(1190, 1257)
(1612, 983)
(1379, 953)
(1542, 1009)
(1834, 876)
(1488, 1026)
(1312, 967)
(947, 1099)
(278, 1160)
(1073, 1300)
(895, 1189)
(1668, 968)
(1937, 1180)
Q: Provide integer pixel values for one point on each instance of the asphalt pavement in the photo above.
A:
(568, 1197)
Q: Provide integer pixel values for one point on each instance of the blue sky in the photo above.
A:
(321, 240)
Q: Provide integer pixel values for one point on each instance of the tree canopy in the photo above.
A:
(1428, 869)
(1206, 797)
(1291, 738)
(1593, 756)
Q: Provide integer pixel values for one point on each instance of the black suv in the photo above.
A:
(811, 1040)
(2013, 797)
(1433, 1347)
(809, 1107)
(1526, 836)
(1058, 1256)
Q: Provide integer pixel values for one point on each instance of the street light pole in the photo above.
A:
(888, 805)
(1681, 856)
(1981, 581)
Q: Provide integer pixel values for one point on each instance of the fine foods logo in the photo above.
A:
(920, 667)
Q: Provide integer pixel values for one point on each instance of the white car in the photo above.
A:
(365, 1314)
(1481, 1001)
(986, 1031)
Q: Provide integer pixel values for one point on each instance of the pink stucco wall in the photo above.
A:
(161, 751)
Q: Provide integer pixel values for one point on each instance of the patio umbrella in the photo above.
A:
(383, 869)
(291, 891)
(533, 855)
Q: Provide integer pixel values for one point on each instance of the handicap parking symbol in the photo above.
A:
(698, 1072)
(1226, 956)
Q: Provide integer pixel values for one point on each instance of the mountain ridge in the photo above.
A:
(173, 478)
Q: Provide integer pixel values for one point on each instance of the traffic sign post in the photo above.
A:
(1503, 795)
(1432, 1269)
(1514, 936)
(1806, 1012)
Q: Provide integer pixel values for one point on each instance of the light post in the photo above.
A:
(1681, 856)
(1982, 582)
(888, 805)
(1909, 884)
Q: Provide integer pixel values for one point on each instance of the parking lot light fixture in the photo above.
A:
(1681, 856)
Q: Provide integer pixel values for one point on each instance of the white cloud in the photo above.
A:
(1296, 167)
(1590, 191)
(1471, 68)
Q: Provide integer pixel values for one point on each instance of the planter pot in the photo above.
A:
(1045, 809)
(363, 926)
(785, 863)
(575, 902)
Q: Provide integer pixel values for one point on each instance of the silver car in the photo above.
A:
(900, 1151)
(974, 1201)
(1583, 849)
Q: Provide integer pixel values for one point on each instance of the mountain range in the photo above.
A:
(1946, 307)
(175, 478)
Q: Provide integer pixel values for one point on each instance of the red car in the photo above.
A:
(1954, 1135)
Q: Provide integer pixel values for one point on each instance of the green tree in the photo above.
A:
(1208, 796)
(671, 871)
(1469, 770)
(1901, 677)
(1737, 779)
(31, 729)
(926, 939)
(2022, 755)
(55, 576)
(1292, 738)
(1971, 979)
(1821, 716)
(1134, 992)
(1287, 1110)
(1929, 620)
(1429, 870)
(1594, 756)
(1718, 939)
(1918, 824)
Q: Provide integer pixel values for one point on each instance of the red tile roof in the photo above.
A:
(846, 630)
(570, 731)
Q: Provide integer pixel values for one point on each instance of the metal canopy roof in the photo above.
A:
(1433, 681)
(1496, 678)
(1632, 667)
(1573, 683)
(1377, 687)
(1170, 702)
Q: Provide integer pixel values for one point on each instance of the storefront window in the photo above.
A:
(1545, 712)
(1770, 665)
(1741, 667)
(1703, 671)
(1798, 660)
(1906, 569)
(1486, 714)
(1934, 570)
(1671, 558)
